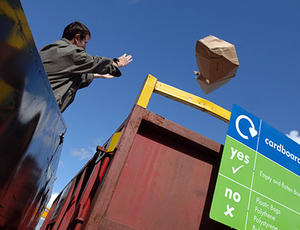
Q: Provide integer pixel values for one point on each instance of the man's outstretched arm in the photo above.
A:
(122, 61)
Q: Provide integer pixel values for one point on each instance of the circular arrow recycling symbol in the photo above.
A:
(252, 130)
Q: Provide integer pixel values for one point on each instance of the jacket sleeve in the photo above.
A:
(85, 63)
(87, 78)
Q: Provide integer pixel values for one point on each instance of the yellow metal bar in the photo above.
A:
(113, 142)
(147, 91)
(45, 213)
(192, 100)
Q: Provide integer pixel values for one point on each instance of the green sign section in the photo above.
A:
(254, 191)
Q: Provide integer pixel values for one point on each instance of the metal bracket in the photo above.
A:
(152, 85)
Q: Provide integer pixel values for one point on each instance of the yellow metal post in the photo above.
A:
(147, 91)
(113, 142)
(45, 213)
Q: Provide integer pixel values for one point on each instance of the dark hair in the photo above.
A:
(76, 28)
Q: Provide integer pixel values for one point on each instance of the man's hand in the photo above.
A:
(124, 60)
(106, 76)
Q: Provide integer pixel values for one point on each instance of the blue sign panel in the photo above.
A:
(261, 137)
(279, 148)
(245, 127)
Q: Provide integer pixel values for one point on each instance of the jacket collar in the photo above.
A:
(66, 40)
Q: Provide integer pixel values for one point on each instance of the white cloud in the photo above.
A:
(97, 141)
(53, 197)
(82, 154)
(294, 135)
(87, 152)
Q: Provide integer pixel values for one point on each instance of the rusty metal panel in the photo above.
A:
(71, 207)
(161, 177)
(160, 187)
(31, 125)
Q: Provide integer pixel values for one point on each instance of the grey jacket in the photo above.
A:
(70, 68)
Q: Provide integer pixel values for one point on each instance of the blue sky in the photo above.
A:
(161, 35)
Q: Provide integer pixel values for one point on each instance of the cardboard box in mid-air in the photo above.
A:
(217, 62)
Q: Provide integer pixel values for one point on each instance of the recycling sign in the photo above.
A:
(258, 184)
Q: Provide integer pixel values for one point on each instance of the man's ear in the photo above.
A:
(77, 36)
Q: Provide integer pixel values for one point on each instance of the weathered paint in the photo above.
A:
(71, 207)
(162, 176)
(31, 126)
